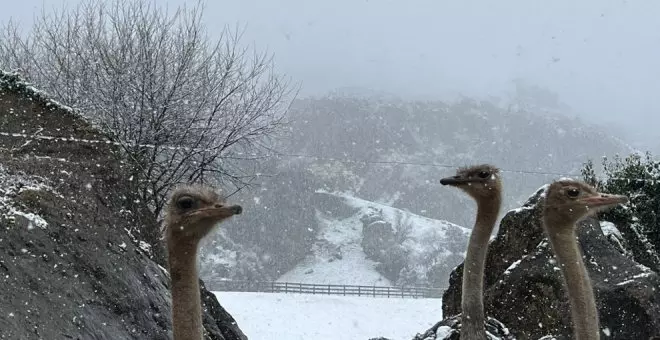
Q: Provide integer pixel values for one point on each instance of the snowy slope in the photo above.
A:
(338, 256)
(337, 238)
(424, 236)
(265, 316)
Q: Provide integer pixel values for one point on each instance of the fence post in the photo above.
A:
(329, 289)
(388, 292)
(359, 290)
(299, 287)
(344, 290)
(374, 290)
(286, 287)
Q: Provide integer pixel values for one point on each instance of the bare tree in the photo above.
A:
(185, 107)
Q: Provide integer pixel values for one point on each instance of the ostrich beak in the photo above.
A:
(454, 180)
(228, 210)
(604, 200)
(221, 211)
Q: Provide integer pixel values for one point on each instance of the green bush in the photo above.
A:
(638, 177)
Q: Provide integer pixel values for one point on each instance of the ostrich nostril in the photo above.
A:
(237, 209)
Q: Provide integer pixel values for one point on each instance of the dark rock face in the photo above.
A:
(524, 287)
(626, 292)
(218, 323)
(80, 256)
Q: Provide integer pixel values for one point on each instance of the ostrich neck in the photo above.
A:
(576, 280)
(186, 301)
(472, 300)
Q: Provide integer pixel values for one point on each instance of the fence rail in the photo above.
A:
(326, 289)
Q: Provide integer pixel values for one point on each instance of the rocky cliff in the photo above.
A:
(80, 255)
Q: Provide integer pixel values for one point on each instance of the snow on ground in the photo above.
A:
(324, 265)
(12, 185)
(610, 228)
(265, 316)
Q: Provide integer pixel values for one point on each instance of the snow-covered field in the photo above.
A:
(265, 316)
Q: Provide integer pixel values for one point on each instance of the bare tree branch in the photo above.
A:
(150, 76)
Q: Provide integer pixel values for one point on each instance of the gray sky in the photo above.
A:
(601, 56)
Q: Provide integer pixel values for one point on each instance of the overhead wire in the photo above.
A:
(39, 136)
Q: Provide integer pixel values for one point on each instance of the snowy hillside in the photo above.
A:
(367, 243)
(392, 136)
(393, 152)
(265, 316)
(337, 256)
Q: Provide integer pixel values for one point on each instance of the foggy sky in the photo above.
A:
(601, 56)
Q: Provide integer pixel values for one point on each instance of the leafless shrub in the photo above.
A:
(185, 107)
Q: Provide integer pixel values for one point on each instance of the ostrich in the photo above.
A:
(191, 214)
(567, 202)
(483, 184)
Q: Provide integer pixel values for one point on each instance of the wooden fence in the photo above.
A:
(327, 289)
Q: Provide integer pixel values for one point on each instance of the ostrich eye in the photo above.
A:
(185, 203)
(572, 192)
(483, 174)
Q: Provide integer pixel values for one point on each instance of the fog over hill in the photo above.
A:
(392, 151)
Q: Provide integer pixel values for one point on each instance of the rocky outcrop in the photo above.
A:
(524, 287)
(80, 254)
(379, 242)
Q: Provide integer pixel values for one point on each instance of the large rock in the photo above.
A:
(80, 256)
(524, 286)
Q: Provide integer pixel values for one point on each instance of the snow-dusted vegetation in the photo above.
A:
(202, 114)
